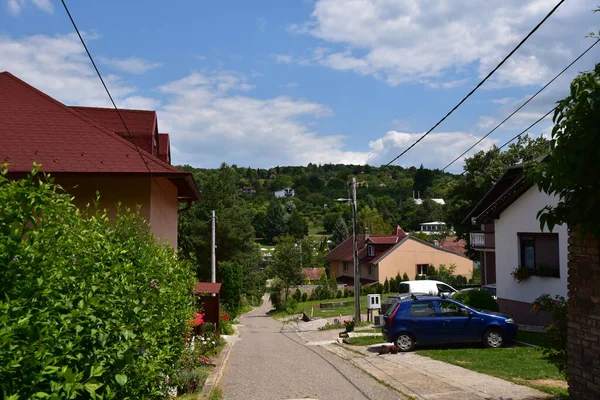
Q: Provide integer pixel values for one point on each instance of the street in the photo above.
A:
(269, 362)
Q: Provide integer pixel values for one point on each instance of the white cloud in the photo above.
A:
(435, 151)
(283, 58)
(290, 85)
(414, 40)
(132, 65)
(16, 6)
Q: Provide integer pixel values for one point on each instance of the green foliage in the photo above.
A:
(90, 307)
(297, 226)
(346, 293)
(340, 233)
(304, 296)
(386, 286)
(338, 295)
(554, 346)
(297, 296)
(574, 153)
(276, 223)
(405, 277)
(286, 264)
(372, 220)
(231, 276)
(478, 299)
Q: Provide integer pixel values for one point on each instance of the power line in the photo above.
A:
(480, 83)
(105, 87)
(522, 105)
(521, 133)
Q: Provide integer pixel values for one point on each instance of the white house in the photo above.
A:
(432, 227)
(285, 192)
(511, 238)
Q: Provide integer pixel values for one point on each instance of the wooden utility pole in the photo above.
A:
(213, 256)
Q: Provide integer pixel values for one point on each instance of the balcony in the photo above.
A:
(482, 240)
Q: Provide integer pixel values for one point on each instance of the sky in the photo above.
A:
(266, 83)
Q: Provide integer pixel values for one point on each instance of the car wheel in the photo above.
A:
(405, 342)
(493, 338)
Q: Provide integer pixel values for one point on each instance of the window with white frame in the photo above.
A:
(371, 250)
(422, 269)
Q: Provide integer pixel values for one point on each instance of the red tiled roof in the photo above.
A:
(37, 128)
(450, 243)
(207, 287)
(164, 147)
(391, 239)
(382, 244)
(313, 274)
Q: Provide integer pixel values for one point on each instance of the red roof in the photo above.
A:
(37, 128)
(391, 239)
(450, 243)
(313, 274)
(207, 287)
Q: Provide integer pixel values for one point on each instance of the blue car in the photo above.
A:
(439, 320)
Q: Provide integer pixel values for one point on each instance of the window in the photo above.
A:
(422, 269)
(403, 288)
(422, 309)
(539, 252)
(345, 267)
(370, 270)
(449, 309)
(444, 289)
(371, 250)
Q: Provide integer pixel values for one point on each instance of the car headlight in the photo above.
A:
(509, 321)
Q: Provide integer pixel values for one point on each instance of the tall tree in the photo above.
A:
(372, 220)
(481, 171)
(297, 225)
(286, 263)
(276, 223)
(340, 232)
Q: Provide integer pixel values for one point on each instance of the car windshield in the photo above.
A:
(391, 309)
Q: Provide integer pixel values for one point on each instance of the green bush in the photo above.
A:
(231, 276)
(554, 347)
(304, 296)
(479, 299)
(297, 295)
(90, 307)
(338, 295)
(346, 293)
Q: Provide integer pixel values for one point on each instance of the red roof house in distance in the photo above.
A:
(88, 149)
(382, 257)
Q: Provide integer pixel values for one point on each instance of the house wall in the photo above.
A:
(516, 298)
(129, 191)
(163, 210)
(406, 257)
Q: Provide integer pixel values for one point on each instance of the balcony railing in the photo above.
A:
(477, 239)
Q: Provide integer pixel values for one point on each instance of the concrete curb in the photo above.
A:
(215, 376)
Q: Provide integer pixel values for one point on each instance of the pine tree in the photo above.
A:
(276, 223)
(340, 232)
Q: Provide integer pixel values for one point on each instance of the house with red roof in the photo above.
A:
(88, 150)
(383, 257)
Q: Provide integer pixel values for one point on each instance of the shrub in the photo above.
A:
(479, 299)
(386, 286)
(297, 295)
(405, 277)
(338, 295)
(346, 293)
(231, 276)
(304, 296)
(554, 346)
(89, 306)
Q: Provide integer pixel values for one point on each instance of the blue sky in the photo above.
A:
(270, 83)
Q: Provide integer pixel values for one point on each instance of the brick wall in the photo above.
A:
(584, 317)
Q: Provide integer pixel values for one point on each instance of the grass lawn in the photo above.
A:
(522, 365)
(313, 306)
(365, 340)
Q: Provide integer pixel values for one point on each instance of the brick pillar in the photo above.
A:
(583, 366)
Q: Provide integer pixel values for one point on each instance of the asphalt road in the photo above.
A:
(270, 362)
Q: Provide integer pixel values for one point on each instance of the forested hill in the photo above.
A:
(384, 194)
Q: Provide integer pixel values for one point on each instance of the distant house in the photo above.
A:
(381, 185)
(313, 274)
(285, 192)
(510, 237)
(439, 201)
(362, 184)
(385, 256)
(272, 175)
(88, 150)
(451, 243)
(432, 227)
(250, 190)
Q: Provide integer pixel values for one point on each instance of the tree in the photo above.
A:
(231, 275)
(571, 171)
(372, 220)
(340, 233)
(286, 264)
(276, 223)
(297, 225)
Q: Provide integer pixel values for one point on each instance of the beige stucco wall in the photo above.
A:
(406, 257)
(158, 204)
(163, 210)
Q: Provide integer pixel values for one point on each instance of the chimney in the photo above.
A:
(366, 235)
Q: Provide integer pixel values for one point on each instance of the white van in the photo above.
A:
(435, 288)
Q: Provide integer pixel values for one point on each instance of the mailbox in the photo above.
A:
(374, 302)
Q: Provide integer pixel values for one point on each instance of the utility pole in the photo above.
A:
(352, 196)
(213, 256)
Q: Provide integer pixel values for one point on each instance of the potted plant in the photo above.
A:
(521, 273)
(350, 324)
